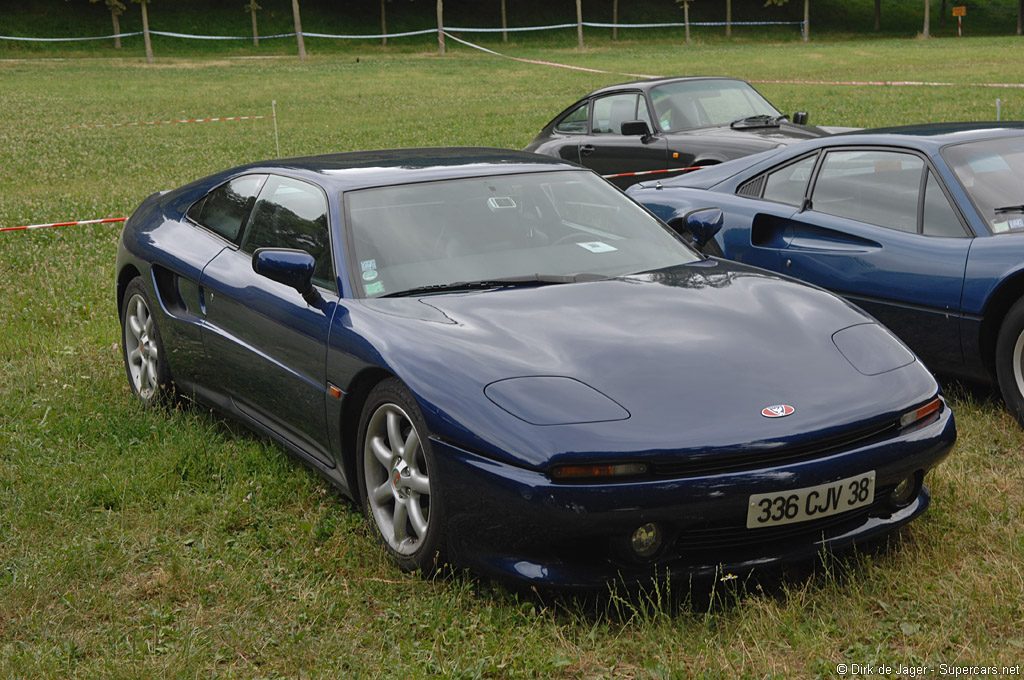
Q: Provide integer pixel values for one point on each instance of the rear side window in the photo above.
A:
(292, 214)
(226, 208)
(576, 121)
(789, 184)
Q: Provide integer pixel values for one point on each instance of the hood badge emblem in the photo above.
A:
(777, 411)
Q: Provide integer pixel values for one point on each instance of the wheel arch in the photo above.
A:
(999, 303)
(351, 411)
(124, 277)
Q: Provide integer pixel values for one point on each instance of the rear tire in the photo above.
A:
(1010, 361)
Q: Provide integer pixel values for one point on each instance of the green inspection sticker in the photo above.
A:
(374, 288)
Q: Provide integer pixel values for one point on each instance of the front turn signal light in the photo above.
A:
(911, 417)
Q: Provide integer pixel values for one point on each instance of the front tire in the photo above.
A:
(398, 481)
(142, 347)
(1010, 361)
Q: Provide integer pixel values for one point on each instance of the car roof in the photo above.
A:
(653, 82)
(364, 169)
(931, 135)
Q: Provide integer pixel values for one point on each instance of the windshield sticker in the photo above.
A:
(367, 265)
(993, 163)
(597, 247)
(500, 202)
(1017, 223)
(374, 288)
(369, 275)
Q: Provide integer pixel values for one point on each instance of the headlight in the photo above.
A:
(872, 349)
(553, 400)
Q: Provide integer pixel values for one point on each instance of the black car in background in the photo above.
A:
(669, 123)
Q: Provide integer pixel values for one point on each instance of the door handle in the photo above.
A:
(587, 149)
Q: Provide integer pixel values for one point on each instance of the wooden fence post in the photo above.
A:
(298, 29)
(440, 27)
(579, 25)
(145, 33)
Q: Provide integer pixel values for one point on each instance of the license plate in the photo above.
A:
(811, 502)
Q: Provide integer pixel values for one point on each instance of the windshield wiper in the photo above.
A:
(761, 120)
(1010, 208)
(506, 282)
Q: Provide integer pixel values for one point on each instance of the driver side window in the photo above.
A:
(291, 213)
(612, 111)
(872, 186)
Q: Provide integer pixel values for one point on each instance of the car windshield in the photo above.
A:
(528, 229)
(992, 174)
(692, 103)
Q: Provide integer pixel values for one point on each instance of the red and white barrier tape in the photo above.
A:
(773, 82)
(65, 224)
(545, 63)
(652, 172)
(167, 122)
(894, 83)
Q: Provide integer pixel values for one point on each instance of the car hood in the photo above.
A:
(766, 136)
(676, 362)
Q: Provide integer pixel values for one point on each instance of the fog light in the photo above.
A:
(904, 492)
(646, 540)
(564, 473)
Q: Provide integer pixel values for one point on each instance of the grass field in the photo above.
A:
(142, 543)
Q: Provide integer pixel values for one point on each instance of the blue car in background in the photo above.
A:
(513, 367)
(921, 226)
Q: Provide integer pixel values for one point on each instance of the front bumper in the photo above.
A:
(516, 524)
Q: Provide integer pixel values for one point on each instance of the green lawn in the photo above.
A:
(141, 543)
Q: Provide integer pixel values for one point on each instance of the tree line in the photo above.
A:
(117, 8)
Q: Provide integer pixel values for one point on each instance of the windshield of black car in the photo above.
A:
(992, 174)
(685, 104)
(570, 224)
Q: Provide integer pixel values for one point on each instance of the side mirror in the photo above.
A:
(293, 268)
(635, 128)
(702, 224)
(800, 118)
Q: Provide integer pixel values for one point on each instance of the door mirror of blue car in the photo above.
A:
(292, 268)
(800, 118)
(703, 224)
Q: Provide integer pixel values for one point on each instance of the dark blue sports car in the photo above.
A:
(921, 226)
(514, 367)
